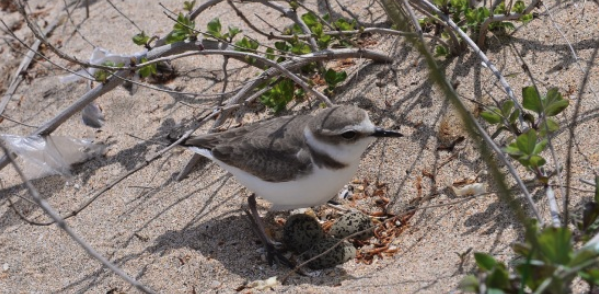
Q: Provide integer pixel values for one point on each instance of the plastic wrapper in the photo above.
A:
(51, 155)
(92, 115)
(99, 57)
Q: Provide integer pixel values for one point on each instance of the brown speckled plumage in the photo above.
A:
(275, 150)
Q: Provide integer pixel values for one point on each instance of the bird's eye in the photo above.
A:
(349, 135)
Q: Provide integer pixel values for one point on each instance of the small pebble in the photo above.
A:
(350, 224)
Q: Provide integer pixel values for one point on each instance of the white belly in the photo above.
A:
(311, 190)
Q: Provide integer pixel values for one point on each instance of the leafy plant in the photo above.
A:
(332, 78)
(280, 94)
(470, 19)
(183, 29)
(147, 70)
(546, 263)
(214, 28)
(102, 75)
(528, 145)
(188, 5)
(141, 39)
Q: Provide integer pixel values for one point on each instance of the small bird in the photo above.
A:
(293, 161)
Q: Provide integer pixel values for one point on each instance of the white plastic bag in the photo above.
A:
(51, 155)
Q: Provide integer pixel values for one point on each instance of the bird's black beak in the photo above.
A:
(380, 132)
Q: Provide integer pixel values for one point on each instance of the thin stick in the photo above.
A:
(502, 17)
(124, 15)
(482, 56)
(62, 224)
(395, 12)
(17, 76)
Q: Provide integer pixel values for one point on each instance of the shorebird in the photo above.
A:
(292, 161)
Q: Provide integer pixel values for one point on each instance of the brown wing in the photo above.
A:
(273, 150)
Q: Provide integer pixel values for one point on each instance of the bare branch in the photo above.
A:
(472, 124)
(501, 17)
(17, 76)
(63, 225)
(482, 56)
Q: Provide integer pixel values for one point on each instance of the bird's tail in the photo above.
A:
(189, 144)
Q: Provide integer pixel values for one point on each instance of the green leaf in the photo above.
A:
(500, 9)
(554, 103)
(317, 29)
(597, 189)
(512, 150)
(441, 50)
(498, 279)
(514, 116)
(549, 127)
(278, 97)
(534, 272)
(536, 161)
(555, 245)
(482, 13)
(294, 5)
(324, 41)
(494, 291)
(529, 118)
(521, 249)
(509, 26)
(175, 36)
(485, 261)
(188, 5)
(590, 275)
(491, 117)
(184, 24)
(301, 49)
(233, 31)
(470, 16)
(527, 142)
(519, 6)
(498, 131)
(282, 46)
(247, 45)
(330, 76)
(506, 107)
(270, 53)
(525, 18)
(590, 212)
(333, 78)
(310, 19)
(440, 3)
(469, 284)
(147, 70)
(141, 39)
(531, 99)
(344, 25)
(539, 147)
(214, 27)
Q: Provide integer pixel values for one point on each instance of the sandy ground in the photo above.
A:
(191, 237)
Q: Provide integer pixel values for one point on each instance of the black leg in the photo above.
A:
(269, 245)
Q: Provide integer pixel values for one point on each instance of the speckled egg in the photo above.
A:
(352, 223)
(338, 255)
(301, 231)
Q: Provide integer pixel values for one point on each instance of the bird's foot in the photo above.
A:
(273, 253)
